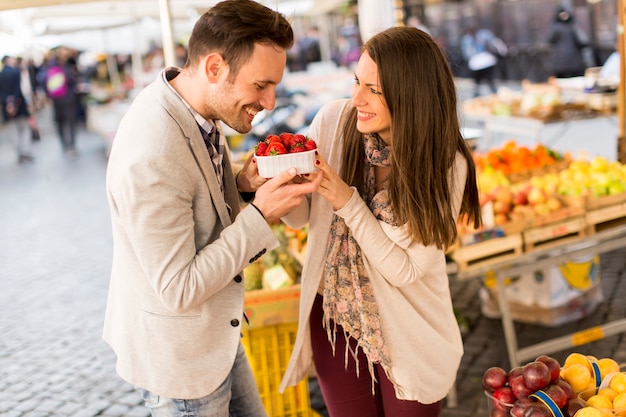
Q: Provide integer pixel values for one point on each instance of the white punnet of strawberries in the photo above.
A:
(285, 143)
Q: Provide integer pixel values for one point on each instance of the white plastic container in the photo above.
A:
(271, 166)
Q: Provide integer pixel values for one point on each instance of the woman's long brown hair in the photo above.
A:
(419, 90)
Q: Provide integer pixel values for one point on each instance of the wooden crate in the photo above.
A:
(554, 233)
(487, 251)
(605, 217)
(593, 203)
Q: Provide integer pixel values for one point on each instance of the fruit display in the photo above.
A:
(517, 183)
(280, 267)
(583, 386)
(516, 158)
(277, 153)
(543, 101)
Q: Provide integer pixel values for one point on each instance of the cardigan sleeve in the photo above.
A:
(389, 249)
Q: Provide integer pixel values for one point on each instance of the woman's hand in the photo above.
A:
(332, 187)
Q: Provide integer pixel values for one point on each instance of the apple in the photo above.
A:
(494, 378)
(566, 387)
(504, 398)
(536, 195)
(557, 394)
(541, 209)
(517, 385)
(520, 198)
(553, 204)
(572, 406)
(500, 219)
(553, 365)
(537, 410)
(520, 406)
(536, 375)
(499, 413)
(515, 372)
(501, 207)
(502, 193)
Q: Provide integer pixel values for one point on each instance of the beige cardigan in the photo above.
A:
(175, 302)
(409, 280)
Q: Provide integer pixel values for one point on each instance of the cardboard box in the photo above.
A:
(549, 296)
(554, 286)
(575, 309)
(270, 307)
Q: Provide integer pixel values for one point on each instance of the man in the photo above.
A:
(175, 306)
(14, 106)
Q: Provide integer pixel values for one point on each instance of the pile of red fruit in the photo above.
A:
(532, 390)
(283, 144)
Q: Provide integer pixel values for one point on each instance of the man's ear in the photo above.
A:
(214, 66)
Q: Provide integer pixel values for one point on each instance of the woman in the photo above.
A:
(375, 272)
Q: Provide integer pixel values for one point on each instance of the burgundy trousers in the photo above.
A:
(349, 395)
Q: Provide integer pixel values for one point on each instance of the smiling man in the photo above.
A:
(175, 305)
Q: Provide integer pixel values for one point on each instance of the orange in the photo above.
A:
(578, 376)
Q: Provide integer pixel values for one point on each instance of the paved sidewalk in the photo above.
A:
(55, 254)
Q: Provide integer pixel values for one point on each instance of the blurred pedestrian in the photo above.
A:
(309, 48)
(567, 43)
(181, 236)
(481, 60)
(15, 113)
(60, 80)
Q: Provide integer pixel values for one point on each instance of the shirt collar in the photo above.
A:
(207, 125)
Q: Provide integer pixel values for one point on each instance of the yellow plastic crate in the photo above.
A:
(268, 350)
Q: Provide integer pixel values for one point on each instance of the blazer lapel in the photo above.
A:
(201, 155)
(189, 126)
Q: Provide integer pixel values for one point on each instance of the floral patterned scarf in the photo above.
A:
(348, 295)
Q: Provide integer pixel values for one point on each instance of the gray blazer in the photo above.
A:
(175, 304)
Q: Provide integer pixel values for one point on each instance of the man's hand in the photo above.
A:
(279, 195)
(248, 179)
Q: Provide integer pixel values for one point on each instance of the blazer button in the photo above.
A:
(237, 278)
(234, 322)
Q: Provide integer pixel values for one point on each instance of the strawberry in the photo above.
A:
(273, 138)
(261, 149)
(310, 144)
(286, 138)
(276, 148)
(298, 147)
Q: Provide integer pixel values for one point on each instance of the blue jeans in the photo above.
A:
(238, 396)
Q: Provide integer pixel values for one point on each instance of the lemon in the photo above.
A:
(607, 365)
(618, 383)
(578, 376)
